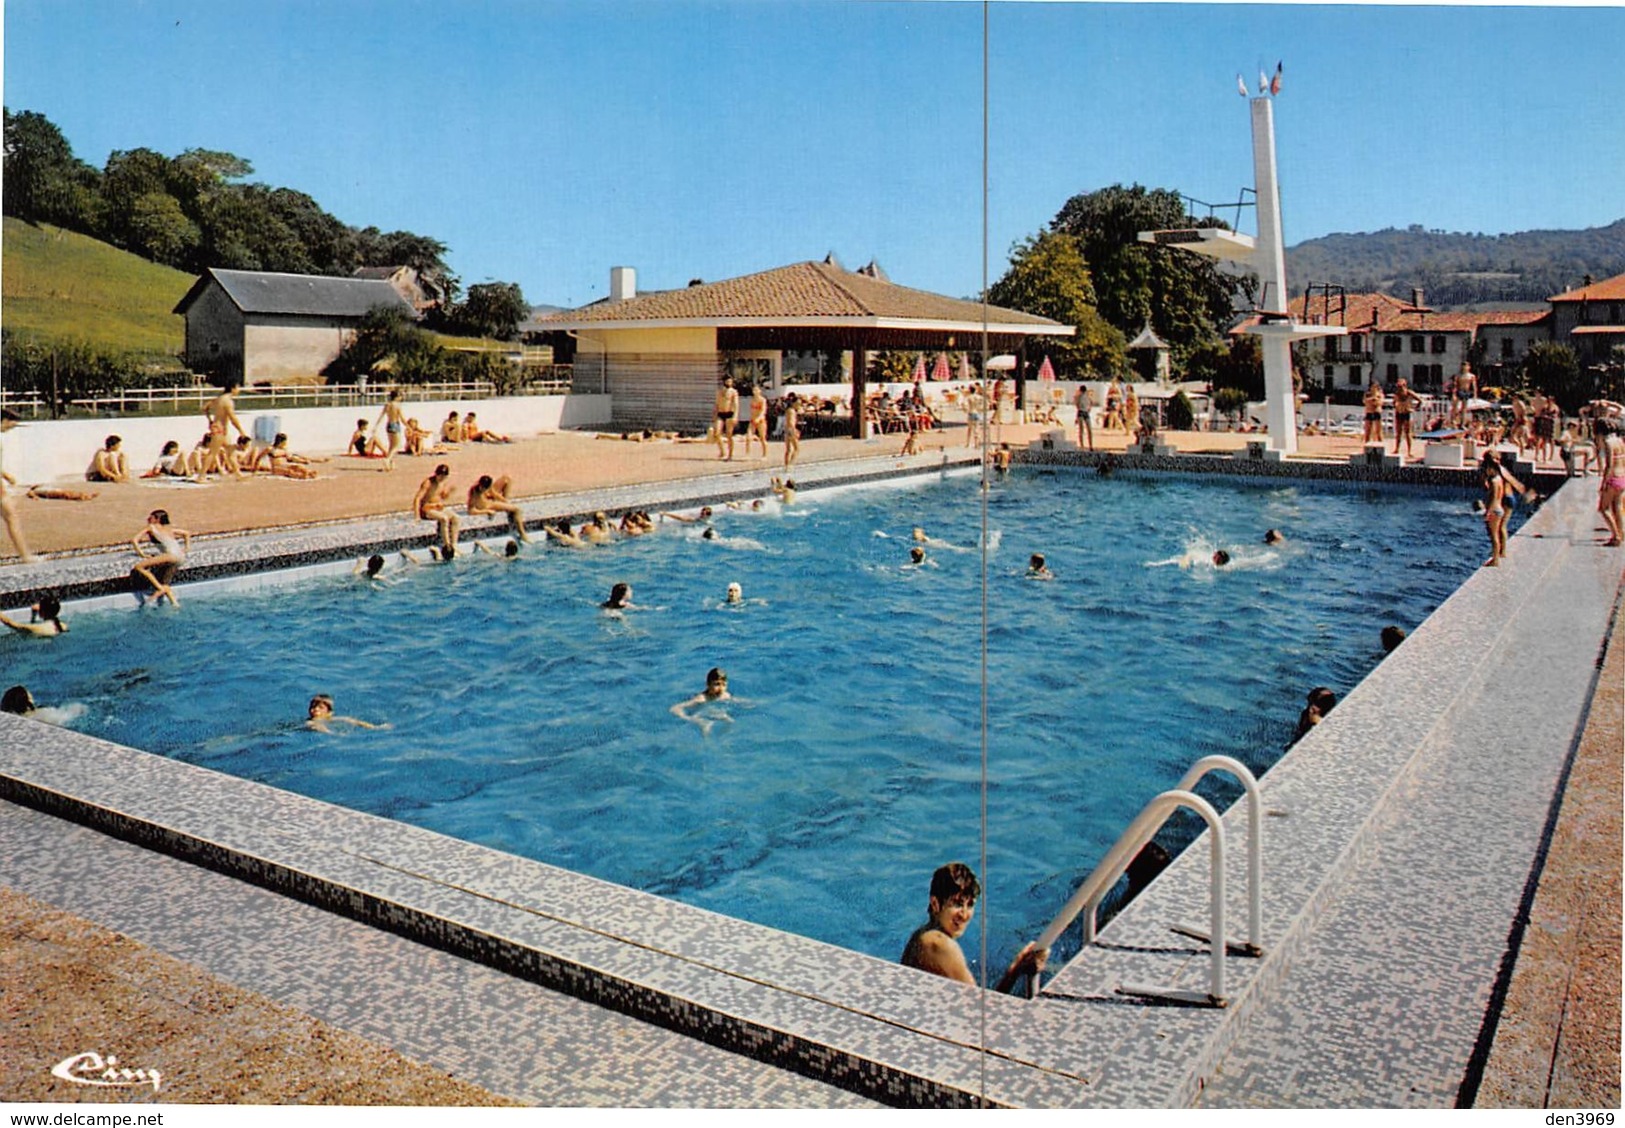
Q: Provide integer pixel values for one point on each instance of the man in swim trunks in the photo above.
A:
(1373, 413)
(758, 420)
(727, 406)
(1084, 401)
(429, 505)
(792, 429)
(8, 508)
(934, 946)
(1405, 401)
(1466, 389)
(221, 413)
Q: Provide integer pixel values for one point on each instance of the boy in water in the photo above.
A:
(320, 715)
(934, 946)
(1037, 569)
(716, 689)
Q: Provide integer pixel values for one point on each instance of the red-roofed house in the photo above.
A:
(1389, 338)
(1591, 319)
(660, 355)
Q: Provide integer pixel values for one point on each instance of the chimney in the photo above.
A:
(623, 283)
(1416, 297)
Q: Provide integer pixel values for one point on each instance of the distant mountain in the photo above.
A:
(1458, 269)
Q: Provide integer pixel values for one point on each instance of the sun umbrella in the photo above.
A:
(1046, 371)
(964, 366)
(1476, 404)
(919, 369)
(940, 370)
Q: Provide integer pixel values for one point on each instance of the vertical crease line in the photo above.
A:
(987, 884)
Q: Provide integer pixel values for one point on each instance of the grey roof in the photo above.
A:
(310, 295)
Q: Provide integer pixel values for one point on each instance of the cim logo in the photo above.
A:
(90, 1068)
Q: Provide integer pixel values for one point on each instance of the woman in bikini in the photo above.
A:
(394, 426)
(1497, 504)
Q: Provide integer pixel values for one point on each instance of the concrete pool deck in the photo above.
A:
(1356, 789)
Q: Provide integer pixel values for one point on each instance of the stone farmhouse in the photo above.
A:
(246, 326)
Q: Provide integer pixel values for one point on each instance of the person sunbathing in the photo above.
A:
(284, 463)
(451, 431)
(417, 437)
(58, 493)
(473, 434)
(109, 464)
(171, 463)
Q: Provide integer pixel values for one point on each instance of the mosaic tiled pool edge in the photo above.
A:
(1165, 1055)
(88, 574)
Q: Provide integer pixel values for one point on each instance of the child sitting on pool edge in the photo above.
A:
(934, 946)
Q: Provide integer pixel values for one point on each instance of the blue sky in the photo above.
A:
(544, 142)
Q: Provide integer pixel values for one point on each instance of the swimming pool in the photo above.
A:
(528, 720)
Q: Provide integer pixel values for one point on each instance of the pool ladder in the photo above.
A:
(1087, 898)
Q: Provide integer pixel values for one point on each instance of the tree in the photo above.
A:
(159, 229)
(1554, 369)
(44, 181)
(1184, 296)
(1048, 276)
(492, 309)
(389, 340)
(1241, 367)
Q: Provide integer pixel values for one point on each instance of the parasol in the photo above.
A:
(919, 369)
(1046, 371)
(940, 370)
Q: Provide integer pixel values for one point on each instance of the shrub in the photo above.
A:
(1179, 415)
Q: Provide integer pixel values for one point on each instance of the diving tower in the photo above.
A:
(1265, 254)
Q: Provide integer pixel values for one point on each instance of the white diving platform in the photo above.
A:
(1218, 242)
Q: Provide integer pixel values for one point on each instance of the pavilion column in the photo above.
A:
(860, 368)
(1021, 381)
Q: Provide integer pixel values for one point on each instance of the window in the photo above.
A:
(1437, 373)
(1506, 348)
(1613, 313)
(1331, 348)
(1327, 371)
(1357, 343)
(1354, 373)
(1438, 342)
(1393, 373)
(1419, 373)
(1391, 344)
(1419, 343)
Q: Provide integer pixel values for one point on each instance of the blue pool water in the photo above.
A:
(527, 719)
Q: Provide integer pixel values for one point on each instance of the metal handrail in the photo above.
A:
(1086, 898)
(1255, 837)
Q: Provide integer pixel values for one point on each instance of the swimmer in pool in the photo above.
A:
(916, 556)
(320, 716)
(785, 490)
(563, 535)
(1037, 569)
(620, 599)
(1273, 536)
(372, 568)
(1221, 558)
(510, 550)
(17, 701)
(705, 515)
(934, 946)
(716, 690)
(44, 620)
(736, 594)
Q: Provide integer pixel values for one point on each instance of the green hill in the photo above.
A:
(61, 286)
